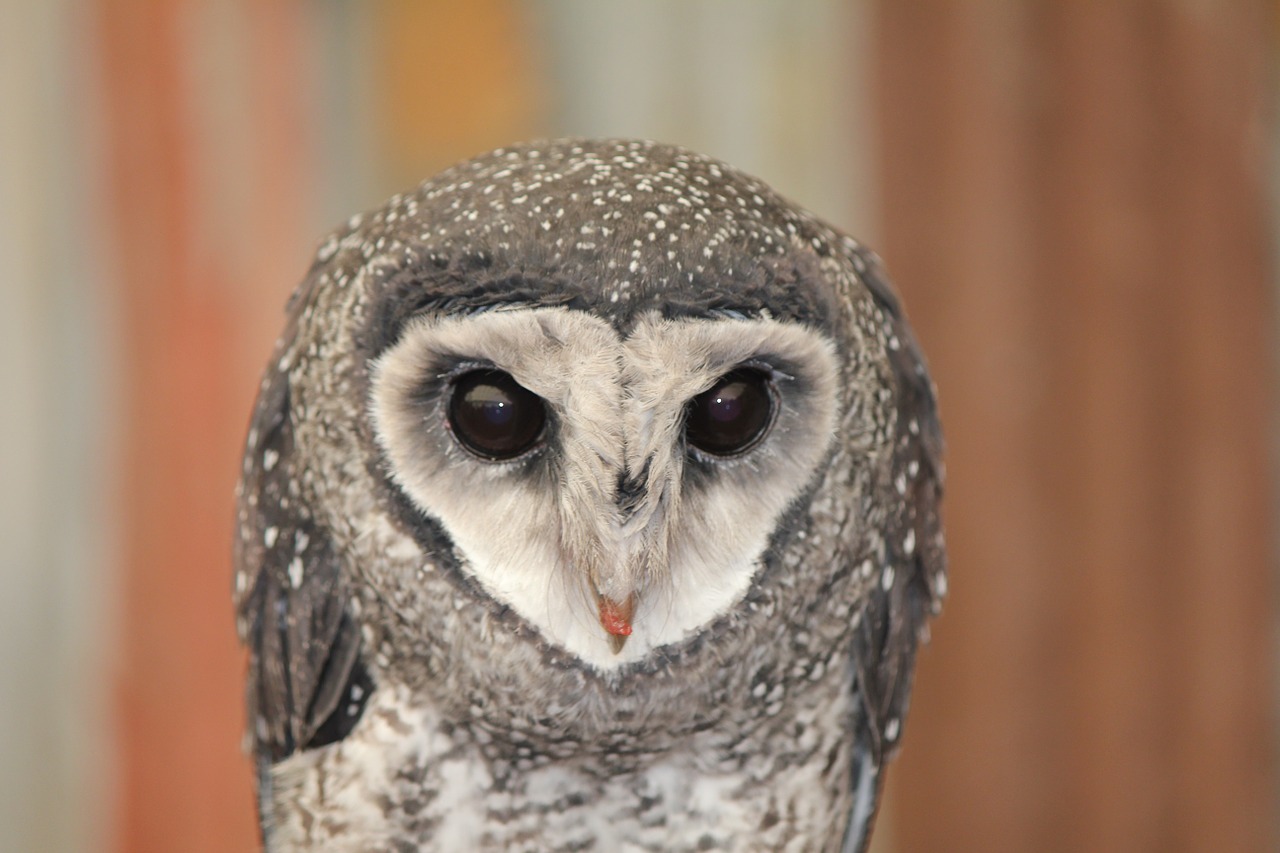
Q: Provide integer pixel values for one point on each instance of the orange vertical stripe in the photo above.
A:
(452, 80)
(183, 782)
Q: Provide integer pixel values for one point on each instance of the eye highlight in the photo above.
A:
(733, 415)
(494, 416)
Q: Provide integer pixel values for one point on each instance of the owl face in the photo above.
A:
(615, 487)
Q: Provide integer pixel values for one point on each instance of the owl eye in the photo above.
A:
(732, 415)
(493, 416)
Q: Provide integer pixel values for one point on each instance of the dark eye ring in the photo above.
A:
(495, 417)
(733, 415)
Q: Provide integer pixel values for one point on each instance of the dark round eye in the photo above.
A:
(493, 416)
(732, 415)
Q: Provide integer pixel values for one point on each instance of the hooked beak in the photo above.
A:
(615, 618)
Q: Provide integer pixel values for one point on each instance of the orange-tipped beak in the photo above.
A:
(615, 618)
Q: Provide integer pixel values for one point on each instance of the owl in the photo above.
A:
(590, 502)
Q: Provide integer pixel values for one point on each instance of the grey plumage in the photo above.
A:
(428, 667)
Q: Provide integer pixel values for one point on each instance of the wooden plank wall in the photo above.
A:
(182, 782)
(1075, 207)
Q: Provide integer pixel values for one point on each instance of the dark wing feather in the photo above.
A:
(291, 603)
(894, 620)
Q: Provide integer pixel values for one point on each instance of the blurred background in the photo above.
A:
(1076, 200)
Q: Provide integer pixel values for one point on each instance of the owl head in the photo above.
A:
(584, 432)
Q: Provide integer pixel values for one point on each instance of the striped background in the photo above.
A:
(1074, 198)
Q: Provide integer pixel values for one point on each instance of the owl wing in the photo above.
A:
(306, 685)
(895, 616)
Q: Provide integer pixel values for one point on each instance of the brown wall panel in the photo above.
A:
(1074, 202)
